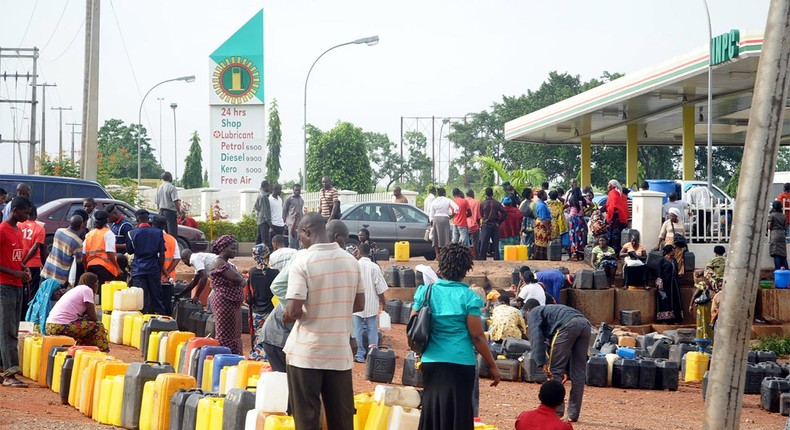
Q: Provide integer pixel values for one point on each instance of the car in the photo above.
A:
(389, 223)
(56, 214)
(48, 188)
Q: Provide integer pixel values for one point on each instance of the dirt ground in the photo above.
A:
(603, 408)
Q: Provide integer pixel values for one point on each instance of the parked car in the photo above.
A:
(56, 214)
(389, 223)
(48, 188)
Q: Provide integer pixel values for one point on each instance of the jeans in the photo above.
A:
(488, 233)
(10, 309)
(461, 235)
(474, 239)
(361, 325)
(263, 234)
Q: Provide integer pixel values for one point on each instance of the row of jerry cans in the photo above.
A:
(33, 354)
(516, 253)
(614, 371)
(117, 296)
(372, 413)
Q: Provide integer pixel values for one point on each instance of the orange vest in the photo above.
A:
(95, 254)
(170, 252)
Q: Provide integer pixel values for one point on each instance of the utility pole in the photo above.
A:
(31, 149)
(733, 329)
(160, 130)
(90, 93)
(73, 124)
(60, 127)
(175, 140)
(43, 149)
(28, 54)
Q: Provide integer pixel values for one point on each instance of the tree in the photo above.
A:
(117, 151)
(389, 165)
(273, 144)
(341, 154)
(58, 167)
(519, 178)
(418, 168)
(193, 166)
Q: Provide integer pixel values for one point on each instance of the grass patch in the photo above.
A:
(779, 345)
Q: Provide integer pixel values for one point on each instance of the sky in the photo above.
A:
(435, 58)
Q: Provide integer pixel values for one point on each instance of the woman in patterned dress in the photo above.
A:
(558, 224)
(227, 285)
(542, 229)
(578, 229)
(528, 222)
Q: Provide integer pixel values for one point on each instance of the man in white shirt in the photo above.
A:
(426, 206)
(367, 320)
(200, 261)
(701, 202)
(282, 254)
(441, 210)
(276, 208)
(529, 288)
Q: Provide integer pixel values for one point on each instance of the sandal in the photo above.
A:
(14, 383)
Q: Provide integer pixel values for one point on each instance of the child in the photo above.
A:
(551, 396)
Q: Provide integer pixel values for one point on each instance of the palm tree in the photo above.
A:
(519, 178)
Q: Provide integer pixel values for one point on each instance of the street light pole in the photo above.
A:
(160, 130)
(73, 124)
(370, 41)
(710, 99)
(60, 128)
(187, 79)
(175, 141)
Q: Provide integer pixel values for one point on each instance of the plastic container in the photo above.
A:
(173, 339)
(102, 386)
(204, 408)
(279, 422)
(87, 385)
(34, 358)
(647, 374)
(763, 356)
(47, 343)
(81, 359)
(407, 278)
(57, 369)
(222, 361)
(666, 375)
(781, 278)
(766, 285)
(272, 393)
(630, 317)
(665, 186)
(135, 378)
(405, 312)
(696, 365)
(189, 420)
(197, 323)
(523, 253)
(247, 369)
(597, 371)
(554, 250)
(403, 419)
(165, 385)
(385, 321)
(511, 253)
(108, 290)
(770, 392)
(116, 401)
(392, 276)
(626, 352)
(146, 407)
(65, 379)
(509, 369)
(625, 373)
(411, 375)
(53, 353)
(128, 326)
(514, 348)
(393, 307)
(583, 279)
(183, 309)
(129, 299)
(155, 325)
(626, 341)
(362, 404)
(659, 349)
(600, 281)
(117, 320)
(530, 371)
(380, 365)
(402, 251)
(754, 378)
(238, 402)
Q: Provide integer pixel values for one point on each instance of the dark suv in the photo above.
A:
(56, 214)
(48, 188)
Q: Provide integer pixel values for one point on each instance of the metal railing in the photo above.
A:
(712, 224)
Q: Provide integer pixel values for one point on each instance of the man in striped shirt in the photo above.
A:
(324, 289)
(328, 199)
(65, 246)
(367, 321)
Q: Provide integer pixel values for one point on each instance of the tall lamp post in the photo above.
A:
(187, 79)
(370, 41)
(175, 140)
(710, 98)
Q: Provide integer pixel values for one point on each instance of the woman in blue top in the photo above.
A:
(448, 363)
(542, 229)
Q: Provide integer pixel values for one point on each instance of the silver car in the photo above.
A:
(389, 223)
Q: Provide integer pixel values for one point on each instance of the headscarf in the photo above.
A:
(507, 201)
(260, 253)
(675, 211)
(222, 243)
(616, 185)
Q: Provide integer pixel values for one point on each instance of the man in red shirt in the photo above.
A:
(12, 276)
(460, 220)
(474, 220)
(187, 220)
(33, 236)
(551, 395)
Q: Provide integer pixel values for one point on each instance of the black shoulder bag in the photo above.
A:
(418, 331)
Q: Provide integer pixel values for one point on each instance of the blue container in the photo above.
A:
(626, 352)
(209, 351)
(782, 278)
(665, 186)
(221, 361)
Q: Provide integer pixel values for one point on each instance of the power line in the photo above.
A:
(28, 24)
(79, 30)
(63, 12)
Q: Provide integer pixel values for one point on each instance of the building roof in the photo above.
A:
(653, 99)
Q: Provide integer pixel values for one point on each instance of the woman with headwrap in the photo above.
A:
(542, 230)
(578, 228)
(616, 213)
(558, 224)
(259, 297)
(669, 307)
(673, 233)
(228, 293)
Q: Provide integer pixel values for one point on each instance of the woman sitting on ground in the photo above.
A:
(605, 259)
(74, 315)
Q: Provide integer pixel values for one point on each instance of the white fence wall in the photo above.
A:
(235, 203)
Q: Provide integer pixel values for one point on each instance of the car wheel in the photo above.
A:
(430, 256)
(182, 244)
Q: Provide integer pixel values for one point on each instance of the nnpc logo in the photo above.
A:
(236, 80)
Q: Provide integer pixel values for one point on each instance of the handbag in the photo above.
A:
(703, 298)
(418, 331)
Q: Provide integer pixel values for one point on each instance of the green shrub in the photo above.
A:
(245, 230)
(779, 345)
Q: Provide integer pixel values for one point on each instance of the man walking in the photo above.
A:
(568, 333)
(328, 200)
(65, 245)
(492, 213)
(147, 243)
(398, 196)
(461, 219)
(292, 212)
(12, 276)
(324, 289)
(99, 250)
(168, 202)
(276, 206)
(264, 213)
(367, 320)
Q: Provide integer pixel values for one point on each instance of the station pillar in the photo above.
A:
(631, 154)
(586, 167)
(688, 142)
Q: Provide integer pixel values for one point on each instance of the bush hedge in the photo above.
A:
(245, 230)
